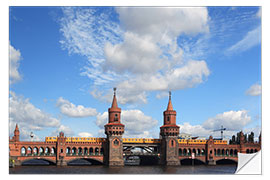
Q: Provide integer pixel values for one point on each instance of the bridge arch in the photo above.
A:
(93, 161)
(226, 161)
(37, 161)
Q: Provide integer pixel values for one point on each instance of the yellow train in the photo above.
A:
(134, 140)
(200, 141)
(140, 140)
(76, 139)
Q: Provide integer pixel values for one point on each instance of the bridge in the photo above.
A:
(114, 150)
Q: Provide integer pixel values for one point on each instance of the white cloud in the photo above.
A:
(232, 120)
(71, 110)
(251, 39)
(135, 54)
(164, 21)
(85, 134)
(254, 90)
(28, 117)
(202, 132)
(14, 63)
(65, 129)
(135, 89)
(137, 124)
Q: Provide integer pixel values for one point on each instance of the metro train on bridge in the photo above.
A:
(133, 140)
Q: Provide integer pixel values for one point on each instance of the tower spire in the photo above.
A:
(170, 107)
(114, 102)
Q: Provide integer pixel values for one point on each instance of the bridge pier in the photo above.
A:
(211, 162)
(61, 162)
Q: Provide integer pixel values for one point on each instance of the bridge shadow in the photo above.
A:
(37, 162)
(225, 161)
(84, 162)
(190, 162)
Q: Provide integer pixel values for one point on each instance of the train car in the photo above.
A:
(220, 142)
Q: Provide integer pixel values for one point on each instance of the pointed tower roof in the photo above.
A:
(114, 102)
(16, 128)
(170, 107)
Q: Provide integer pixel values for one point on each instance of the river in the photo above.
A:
(100, 169)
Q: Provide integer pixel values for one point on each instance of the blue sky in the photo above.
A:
(64, 63)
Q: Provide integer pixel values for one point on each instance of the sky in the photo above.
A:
(65, 61)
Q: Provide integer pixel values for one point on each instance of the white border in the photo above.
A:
(4, 10)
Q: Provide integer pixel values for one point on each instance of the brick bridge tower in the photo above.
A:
(114, 129)
(61, 150)
(169, 134)
(16, 136)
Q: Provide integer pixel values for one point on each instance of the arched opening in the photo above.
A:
(96, 151)
(185, 152)
(227, 152)
(41, 151)
(191, 162)
(79, 151)
(215, 152)
(218, 152)
(180, 152)
(47, 151)
(235, 152)
(198, 152)
(256, 150)
(29, 151)
(247, 151)
(91, 151)
(85, 151)
(74, 151)
(203, 152)
(101, 151)
(23, 151)
(194, 151)
(223, 152)
(189, 152)
(53, 151)
(35, 151)
(68, 151)
(251, 151)
(226, 161)
(172, 143)
(231, 152)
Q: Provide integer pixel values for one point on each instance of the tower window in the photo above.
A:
(116, 117)
(116, 142)
(168, 118)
